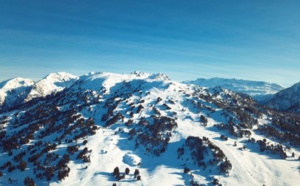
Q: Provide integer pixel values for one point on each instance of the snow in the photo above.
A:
(131, 159)
(52, 83)
(15, 83)
(111, 148)
(287, 99)
(17, 91)
(256, 89)
(11, 90)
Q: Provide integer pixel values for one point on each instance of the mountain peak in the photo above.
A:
(19, 90)
(52, 83)
(15, 83)
(13, 91)
(60, 76)
(139, 74)
(159, 76)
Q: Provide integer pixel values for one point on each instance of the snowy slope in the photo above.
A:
(287, 99)
(259, 90)
(150, 123)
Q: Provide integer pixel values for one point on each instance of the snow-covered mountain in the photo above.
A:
(52, 83)
(287, 99)
(259, 90)
(145, 129)
(14, 91)
(19, 90)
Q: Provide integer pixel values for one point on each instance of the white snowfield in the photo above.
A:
(111, 147)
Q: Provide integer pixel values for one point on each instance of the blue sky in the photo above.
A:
(257, 40)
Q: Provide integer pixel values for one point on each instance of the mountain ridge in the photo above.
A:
(172, 133)
(17, 91)
(53, 82)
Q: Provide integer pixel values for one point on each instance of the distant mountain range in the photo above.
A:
(268, 94)
(259, 90)
(142, 129)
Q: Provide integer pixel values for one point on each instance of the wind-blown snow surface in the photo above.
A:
(121, 103)
(19, 90)
(261, 91)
